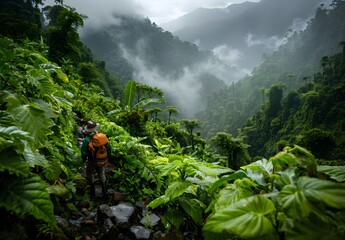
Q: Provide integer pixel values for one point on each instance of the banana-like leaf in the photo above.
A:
(299, 200)
(12, 162)
(26, 195)
(33, 120)
(192, 208)
(176, 189)
(130, 92)
(146, 102)
(335, 172)
(247, 218)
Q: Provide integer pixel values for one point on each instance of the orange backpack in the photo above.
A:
(98, 147)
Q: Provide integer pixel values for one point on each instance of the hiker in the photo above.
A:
(95, 151)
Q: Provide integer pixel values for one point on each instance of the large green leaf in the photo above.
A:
(176, 189)
(15, 132)
(247, 218)
(146, 102)
(283, 159)
(193, 208)
(223, 180)
(12, 162)
(283, 178)
(314, 227)
(294, 202)
(61, 75)
(59, 190)
(299, 200)
(33, 120)
(335, 172)
(263, 166)
(35, 158)
(230, 195)
(173, 216)
(130, 92)
(26, 196)
(157, 202)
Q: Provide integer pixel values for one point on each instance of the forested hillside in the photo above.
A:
(311, 116)
(250, 28)
(136, 48)
(291, 66)
(173, 183)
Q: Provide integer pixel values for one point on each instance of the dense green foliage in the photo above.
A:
(279, 198)
(292, 64)
(311, 116)
(47, 92)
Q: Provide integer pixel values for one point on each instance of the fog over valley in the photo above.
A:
(227, 40)
(172, 119)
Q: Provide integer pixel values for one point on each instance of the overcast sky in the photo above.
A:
(159, 11)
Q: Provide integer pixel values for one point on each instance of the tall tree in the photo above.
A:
(20, 19)
(171, 110)
(233, 148)
(190, 126)
(63, 38)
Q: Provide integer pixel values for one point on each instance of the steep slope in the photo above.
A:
(291, 66)
(140, 50)
(203, 16)
(312, 116)
(251, 30)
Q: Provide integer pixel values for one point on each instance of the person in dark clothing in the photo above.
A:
(89, 157)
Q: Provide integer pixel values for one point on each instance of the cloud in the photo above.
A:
(272, 42)
(227, 54)
(159, 11)
(102, 12)
(185, 91)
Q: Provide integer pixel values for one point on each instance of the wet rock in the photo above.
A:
(140, 232)
(110, 230)
(124, 213)
(159, 235)
(104, 212)
(91, 216)
(142, 206)
(67, 228)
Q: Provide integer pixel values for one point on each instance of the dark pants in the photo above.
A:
(90, 168)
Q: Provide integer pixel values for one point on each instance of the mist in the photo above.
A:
(185, 91)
